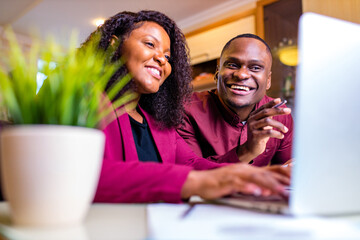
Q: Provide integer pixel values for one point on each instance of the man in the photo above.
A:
(237, 121)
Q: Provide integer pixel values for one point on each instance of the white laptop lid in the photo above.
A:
(326, 176)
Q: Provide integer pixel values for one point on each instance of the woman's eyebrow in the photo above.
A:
(157, 40)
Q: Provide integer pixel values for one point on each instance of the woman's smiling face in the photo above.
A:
(147, 53)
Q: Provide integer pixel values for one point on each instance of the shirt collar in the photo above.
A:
(230, 116)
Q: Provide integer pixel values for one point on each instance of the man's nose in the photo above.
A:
(242, 73)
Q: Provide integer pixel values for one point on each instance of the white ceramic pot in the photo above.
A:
(50, 173)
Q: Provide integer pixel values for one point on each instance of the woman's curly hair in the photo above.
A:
(167, 105)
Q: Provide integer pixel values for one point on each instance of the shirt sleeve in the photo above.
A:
(284, 152)
(188, 133)
(186, 156)
(138, 182)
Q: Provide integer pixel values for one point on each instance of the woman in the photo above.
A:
(145, 159)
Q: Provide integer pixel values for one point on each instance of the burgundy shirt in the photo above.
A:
(214, 132)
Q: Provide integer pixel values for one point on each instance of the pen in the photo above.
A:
(280, 104)
(190, 208)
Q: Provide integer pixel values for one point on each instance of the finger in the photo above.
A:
(281, 173)
(270, 112)
(240, 185)
(271, 181)
(266, 133)
(267, 105)
(269, 122)
(286, 171)
(282, 178)
(252, 189)
(266, 192)
(223, 182)
(290, 163)
(260, 176)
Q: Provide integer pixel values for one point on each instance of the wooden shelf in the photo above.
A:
(203, 83)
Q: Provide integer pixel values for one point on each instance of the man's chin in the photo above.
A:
(239, 104)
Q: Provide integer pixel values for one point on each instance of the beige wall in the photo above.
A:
(344, 9)
(207, 45)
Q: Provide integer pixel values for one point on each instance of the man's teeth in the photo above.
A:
(240, 88)
(154, 71)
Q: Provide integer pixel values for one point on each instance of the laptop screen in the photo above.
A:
(326, 146)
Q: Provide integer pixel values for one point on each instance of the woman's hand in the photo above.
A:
(211, 184)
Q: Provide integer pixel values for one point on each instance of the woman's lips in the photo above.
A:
(155, 72)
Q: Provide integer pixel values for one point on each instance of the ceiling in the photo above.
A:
(60, 17)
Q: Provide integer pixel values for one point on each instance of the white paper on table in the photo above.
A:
(206, 221)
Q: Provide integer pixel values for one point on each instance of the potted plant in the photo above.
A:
(51, 154)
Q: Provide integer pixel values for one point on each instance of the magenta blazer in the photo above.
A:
(124, 178)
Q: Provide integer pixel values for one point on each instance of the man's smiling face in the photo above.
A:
(244, 73)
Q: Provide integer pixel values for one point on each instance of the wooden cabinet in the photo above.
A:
(348, 10)
(277, 24)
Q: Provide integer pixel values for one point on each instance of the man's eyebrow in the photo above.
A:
(257, 61)
(231, 59)
(234, 59)
(237, 60)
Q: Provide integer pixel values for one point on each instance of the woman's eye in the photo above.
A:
(150, 44)
(168, 58)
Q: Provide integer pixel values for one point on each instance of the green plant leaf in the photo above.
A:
(73, 91)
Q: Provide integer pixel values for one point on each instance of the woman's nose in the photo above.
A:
(160, 58)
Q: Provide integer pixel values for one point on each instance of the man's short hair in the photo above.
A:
(246, 35)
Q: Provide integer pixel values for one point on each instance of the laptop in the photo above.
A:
(326, 147)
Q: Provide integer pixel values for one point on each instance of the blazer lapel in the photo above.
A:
(164, 139)
(127, 138)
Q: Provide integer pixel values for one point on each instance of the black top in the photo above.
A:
(145, 145)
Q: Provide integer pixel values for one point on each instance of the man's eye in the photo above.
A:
(231, 65)
(255, 68)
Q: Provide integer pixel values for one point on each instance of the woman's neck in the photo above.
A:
(136, 116)
(132, 110)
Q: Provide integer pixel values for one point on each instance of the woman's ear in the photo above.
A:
(113, 40)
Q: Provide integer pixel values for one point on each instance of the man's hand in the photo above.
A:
(211, 184)
(260, 127)
(289, 163)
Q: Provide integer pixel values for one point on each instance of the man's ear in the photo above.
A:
(216, 76)
(268, 81)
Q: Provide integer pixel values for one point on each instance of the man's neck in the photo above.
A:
(243, 112)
